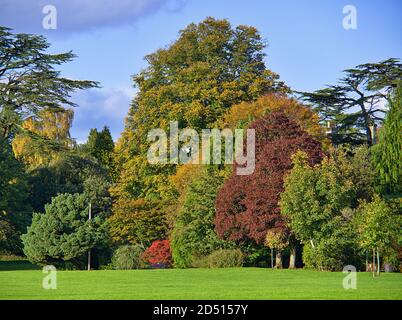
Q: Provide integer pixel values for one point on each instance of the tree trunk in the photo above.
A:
(366, 261)
(272, 258)
(292, 260)
(366, 119)
(378, 262)
(373, 263)
(278, 260)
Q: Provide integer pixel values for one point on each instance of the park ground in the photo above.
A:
(20, 280)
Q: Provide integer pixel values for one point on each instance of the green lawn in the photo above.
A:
(239, 283)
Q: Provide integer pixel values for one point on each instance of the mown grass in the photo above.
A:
(237, 283)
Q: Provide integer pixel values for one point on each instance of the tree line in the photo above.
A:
(325, 192)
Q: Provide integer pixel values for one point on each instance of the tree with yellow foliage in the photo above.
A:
(44, 136)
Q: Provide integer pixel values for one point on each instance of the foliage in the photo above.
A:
(159, 254)
(63, 234)
(193, 233)
(15, 212)
(225, 258)
(315, 195)
(137, 221)
(128, 258)
(334, 252)
(247, 206)
(387, 154)
(318, 202)
(242, 114)
(276, 239)
(44, 137)
(362, 87)
(379, 225)
(28, 81)
(70, 173)
(100, 145)
(209, 68)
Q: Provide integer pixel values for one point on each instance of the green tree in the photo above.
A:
(70, 173)
(101, 146)
(15, 213)
(194, 233)
(318, 202)
(387, 154)
(379, 227)
(63, 234)
(362, 88)
(28, 81)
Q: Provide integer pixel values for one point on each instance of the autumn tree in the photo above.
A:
(247, 206)
(354, 104)
(28, 81)
(243, 114)
(209, 68)
(137, 222)
(44, 137)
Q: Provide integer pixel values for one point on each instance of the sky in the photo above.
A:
(308, 45)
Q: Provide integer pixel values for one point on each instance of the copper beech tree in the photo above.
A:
(247, 206)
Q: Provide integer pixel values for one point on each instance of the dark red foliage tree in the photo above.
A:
(159, 254)
(247, 206)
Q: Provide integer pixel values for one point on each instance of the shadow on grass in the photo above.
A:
(17, 265)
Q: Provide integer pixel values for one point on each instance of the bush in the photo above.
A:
(63, 234)
(225, 258)
(159, 254)
(332, 254)
(128, 258)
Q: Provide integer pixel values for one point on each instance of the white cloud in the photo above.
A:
(100, 107)
(80, 15)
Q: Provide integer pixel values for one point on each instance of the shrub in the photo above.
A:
(63, 234)
(225, 258)
(159, 254)
(128, 258)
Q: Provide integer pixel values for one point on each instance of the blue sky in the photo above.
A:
(307, 44)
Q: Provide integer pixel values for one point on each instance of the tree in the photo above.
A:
(159, 254)
(137, 222)
(363, 87)
(194, 234)
(277, 239)
(28, 81)
(15, 212)
(379, 227)
(69, 173)
(63, 234)
(44, 137)
(209, 68)
(101, 146)
(247, 206)
(387, 154)
(318, 203)
(243, 114)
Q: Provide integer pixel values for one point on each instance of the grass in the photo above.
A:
(236, 283)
